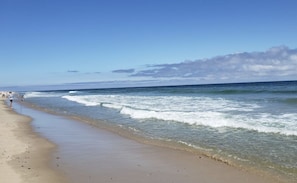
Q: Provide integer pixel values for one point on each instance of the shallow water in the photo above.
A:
(253, 124)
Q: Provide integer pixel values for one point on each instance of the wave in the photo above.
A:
(73, 92)
(164, 103)
(42, 94)
(85, 100)
(235, 88)
(113, 106)
(212, 112)
(266, 123)
(243, 91)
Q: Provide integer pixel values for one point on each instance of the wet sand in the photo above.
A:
(24, 156)
(86, 153)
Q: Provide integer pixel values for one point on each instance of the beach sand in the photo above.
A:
(24, 156)
(85, 153)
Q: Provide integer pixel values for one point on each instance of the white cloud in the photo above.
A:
(294, 58)
(276, 63)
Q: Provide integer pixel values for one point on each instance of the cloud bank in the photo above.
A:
(124, 71)
(277, 63)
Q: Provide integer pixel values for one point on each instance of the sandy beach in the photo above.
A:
(79, 152)
(24, 156)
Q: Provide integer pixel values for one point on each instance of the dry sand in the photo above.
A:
(97, 155)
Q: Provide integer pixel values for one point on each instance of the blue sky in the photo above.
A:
(159, 41)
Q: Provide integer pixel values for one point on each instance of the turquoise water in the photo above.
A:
(253, 124)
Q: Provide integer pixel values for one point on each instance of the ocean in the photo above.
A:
(250, 125)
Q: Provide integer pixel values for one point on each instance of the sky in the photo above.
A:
(146, 42)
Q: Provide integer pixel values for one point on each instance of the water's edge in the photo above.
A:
(134, 135)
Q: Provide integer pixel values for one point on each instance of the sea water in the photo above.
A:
(250, 124)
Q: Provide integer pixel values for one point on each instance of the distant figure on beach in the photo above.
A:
(10, 96)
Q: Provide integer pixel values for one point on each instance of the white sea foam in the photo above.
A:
(73, 92)
(85, 100)
(41, 94)
(113, 106)
(213, 112)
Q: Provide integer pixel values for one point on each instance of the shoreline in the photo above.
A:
(194, 165)
(25, 156)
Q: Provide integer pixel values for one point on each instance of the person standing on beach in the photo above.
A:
(10, 96)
